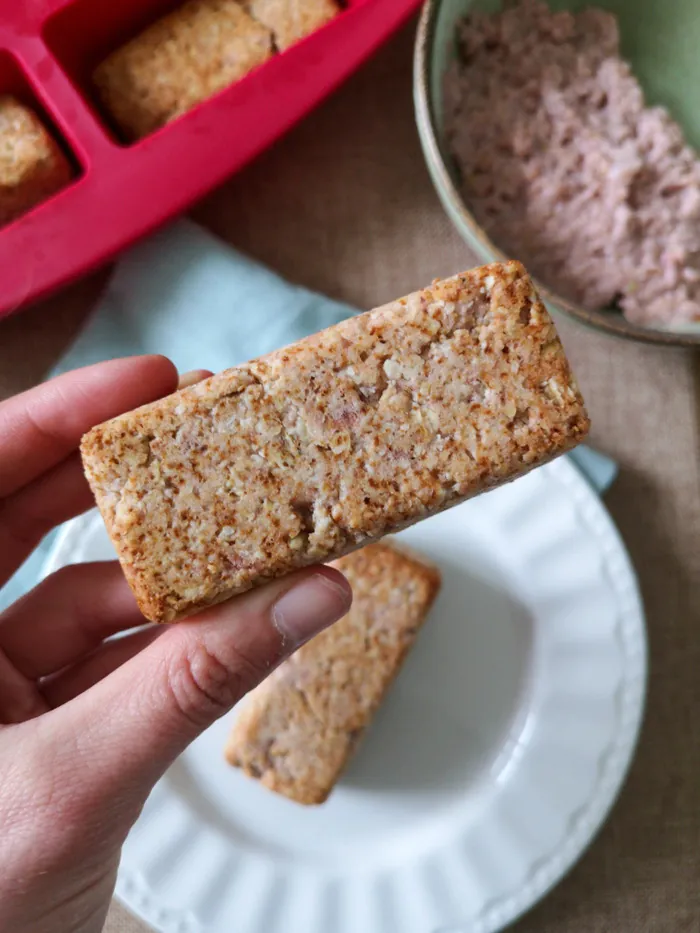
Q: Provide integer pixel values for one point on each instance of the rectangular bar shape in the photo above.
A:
(32, 166)
(299, 728)
(306, 454)
(291, 20)
(179, 61)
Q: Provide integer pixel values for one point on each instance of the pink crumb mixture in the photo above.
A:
(566, 168)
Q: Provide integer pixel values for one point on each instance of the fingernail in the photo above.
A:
(312, 605)
(193, 377)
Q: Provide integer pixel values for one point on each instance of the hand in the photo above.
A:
(88, 725)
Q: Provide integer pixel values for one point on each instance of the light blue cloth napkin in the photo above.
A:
(188, 295)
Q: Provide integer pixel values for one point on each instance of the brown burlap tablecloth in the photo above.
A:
(344, 205)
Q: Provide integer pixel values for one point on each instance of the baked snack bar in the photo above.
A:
(291, 20)
(32, 167)
(297, 731)
(306, 454)
(182, 59)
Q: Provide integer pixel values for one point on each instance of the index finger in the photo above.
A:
(39, 428)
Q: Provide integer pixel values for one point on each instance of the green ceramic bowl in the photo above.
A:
(660, 39)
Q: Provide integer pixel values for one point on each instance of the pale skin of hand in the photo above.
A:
(87, 725)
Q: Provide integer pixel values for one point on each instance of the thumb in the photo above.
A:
(129, 727)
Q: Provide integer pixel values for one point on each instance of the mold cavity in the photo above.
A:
(83, 33)
(42, 163)
(167, 72)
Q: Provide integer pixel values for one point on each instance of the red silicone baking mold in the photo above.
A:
(48, 49)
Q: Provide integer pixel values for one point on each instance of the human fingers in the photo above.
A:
(123, 732)
(20, 697)
(50, 499)
(193, 377)
(66, 617)
(79, 677)
(41, 427)
(31, 512)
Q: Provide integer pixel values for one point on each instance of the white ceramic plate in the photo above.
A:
(492, 764)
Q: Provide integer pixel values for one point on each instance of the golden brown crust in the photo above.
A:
(32, 167)
(300, 727)
(291, 20)
(310, 452)
(179, 61)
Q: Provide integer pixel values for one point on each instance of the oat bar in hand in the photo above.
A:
(312, 451)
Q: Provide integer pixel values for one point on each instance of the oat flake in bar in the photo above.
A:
(306, 454)
(298, 729)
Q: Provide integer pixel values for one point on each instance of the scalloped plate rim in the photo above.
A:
(135, 893)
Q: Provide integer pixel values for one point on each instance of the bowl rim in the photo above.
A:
(461, 216)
